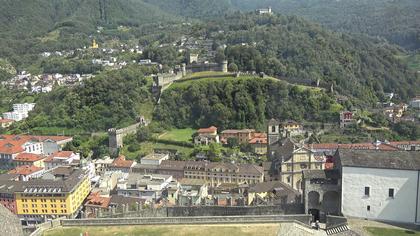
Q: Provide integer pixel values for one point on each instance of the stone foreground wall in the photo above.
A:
(303, 220)
(9, 223)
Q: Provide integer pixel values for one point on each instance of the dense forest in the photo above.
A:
(241, 103)
(293, 48)
(108, 100)
(397, 21)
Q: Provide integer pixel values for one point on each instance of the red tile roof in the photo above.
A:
(28, 157)
(258, 140)
(25, 170)
(61, 155)
(94, 199)
(6, 121)
(121, 162)
(12, 144)
(210, 129)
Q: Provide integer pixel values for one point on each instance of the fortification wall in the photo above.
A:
(220, 67)
(116, 136)
(303, 219)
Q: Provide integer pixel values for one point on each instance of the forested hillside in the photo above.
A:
(397, 21)
(31, 26)
(241, 102)
(293, 48)
(112, 99)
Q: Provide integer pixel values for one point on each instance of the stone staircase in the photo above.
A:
(337, 229)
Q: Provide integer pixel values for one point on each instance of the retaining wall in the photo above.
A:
(303, 219)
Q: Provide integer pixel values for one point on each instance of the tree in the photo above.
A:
(232, 142)
(143, 134)
(233, 67)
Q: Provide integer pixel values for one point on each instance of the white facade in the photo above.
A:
(378, 205)
(415, 103)
(154, 159)
(20, 111)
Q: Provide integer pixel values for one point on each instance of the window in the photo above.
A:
(273, 129)
(391, 193)
(367, 191)
(368, 208)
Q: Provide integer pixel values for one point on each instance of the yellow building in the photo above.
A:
(94, 44)
(291, 168)
(59, 195)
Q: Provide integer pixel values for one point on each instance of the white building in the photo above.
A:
(20, 111)
(265, 11)
(380, 185)
(147, 187)
(154, 159)
(415, 103)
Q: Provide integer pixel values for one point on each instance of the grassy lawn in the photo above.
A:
(172, 230)
(147, 148)
(412, 61)
(374, 231)
(184, 135)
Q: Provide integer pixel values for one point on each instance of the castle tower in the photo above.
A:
(184, 69)
(273, 136)
(224, 66)
(273, 131)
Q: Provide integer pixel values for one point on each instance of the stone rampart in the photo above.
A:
(303, 219)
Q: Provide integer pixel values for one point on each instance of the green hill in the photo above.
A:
(295, 49)
(241, 102)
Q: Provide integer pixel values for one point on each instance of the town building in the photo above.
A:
(380, 185)
(30, 159)
(322, 192)
(61, 158)
(102, 165)
(258, 143)
(5, 123)
(205, 136)
(121, 164)
(20, 111)
(13, 145)
(346, 119)
(292, 128)
(192, 192)
(265, 11)
(216, 173)
(289, 158)
(272, 192)
(242, 136)
(146, 187)
(154, 159)
(415, 103)
(26, 172)
(52, 196)
(7, 193)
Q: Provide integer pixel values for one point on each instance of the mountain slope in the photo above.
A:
(36, 17)
(298, 50)
(397, 21)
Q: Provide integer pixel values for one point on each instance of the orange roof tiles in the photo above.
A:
(6, 121)
(12, 144)
(210, 129)
(121, 162)
(28, 157)
(94, 199)
(25, 170)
